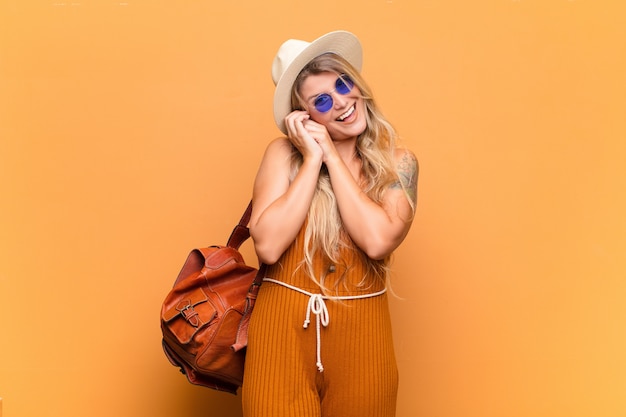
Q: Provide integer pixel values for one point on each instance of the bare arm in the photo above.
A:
(280, 206)
(376, 229)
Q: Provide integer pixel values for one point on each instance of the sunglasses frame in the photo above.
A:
(343, 85)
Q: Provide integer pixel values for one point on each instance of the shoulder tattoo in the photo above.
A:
(407, 170)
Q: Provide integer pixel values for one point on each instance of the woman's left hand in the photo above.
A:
(319, 133)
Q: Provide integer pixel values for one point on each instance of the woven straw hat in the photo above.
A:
(294, 54)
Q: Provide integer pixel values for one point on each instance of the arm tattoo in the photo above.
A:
(407, 173)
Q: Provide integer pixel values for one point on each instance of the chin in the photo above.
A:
(344, 134)
(357, 128)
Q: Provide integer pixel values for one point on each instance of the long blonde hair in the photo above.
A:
(375, 147)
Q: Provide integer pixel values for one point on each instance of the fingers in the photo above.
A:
(300, 136)
(316, 130)
(294, 123)
(320, 135)
(309, 137)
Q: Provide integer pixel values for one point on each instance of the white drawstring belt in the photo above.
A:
(317, 306)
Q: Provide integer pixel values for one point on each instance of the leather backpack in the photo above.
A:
(204, 318)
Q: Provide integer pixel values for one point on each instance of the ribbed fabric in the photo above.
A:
(360, 375)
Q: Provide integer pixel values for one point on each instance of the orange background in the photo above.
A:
(130, 132)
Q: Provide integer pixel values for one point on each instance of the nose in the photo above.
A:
(339, 100)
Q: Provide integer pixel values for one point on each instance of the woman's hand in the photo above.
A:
(320, 135)
(300, 136)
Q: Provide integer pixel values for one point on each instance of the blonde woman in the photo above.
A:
(332, 201)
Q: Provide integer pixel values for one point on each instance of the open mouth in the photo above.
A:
(346, 114)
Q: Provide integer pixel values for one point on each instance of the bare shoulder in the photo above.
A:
(277, 153)
(407, 168)
(406, 164)
(279, 146)
(405, 156)
(275, 164)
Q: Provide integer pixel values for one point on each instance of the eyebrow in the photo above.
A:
(324, 92)
(314, 96)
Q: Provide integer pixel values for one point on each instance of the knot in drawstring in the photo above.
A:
(317, 306)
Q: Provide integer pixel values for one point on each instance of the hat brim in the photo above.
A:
(342, 43)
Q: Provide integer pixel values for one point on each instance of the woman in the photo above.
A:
(332, 201)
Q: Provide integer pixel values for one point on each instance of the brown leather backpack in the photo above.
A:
(204, 318)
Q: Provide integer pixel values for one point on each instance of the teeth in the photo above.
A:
(346, 114)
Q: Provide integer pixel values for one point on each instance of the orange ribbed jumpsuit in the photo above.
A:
(282, 379)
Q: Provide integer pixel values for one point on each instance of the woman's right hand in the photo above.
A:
(300, 137)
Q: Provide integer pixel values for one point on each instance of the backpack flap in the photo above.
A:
(193, 312)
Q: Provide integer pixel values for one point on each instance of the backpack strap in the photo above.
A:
(241, 232)
(241, 341)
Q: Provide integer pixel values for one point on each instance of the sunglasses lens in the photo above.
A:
(344, 84)
(323, 103)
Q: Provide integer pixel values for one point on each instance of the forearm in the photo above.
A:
(277, 225)
(368, 223)
(376, 228)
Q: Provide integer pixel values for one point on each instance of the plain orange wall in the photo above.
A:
(130, 133)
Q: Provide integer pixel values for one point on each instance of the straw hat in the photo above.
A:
(294, 54)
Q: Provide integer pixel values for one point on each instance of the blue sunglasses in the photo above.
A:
(324, 101)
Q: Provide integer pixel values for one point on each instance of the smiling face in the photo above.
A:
(346, 117)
